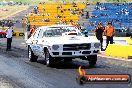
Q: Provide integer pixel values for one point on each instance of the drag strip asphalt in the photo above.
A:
(14, 65)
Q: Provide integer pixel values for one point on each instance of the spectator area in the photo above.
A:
(58, 13)
(120, 14)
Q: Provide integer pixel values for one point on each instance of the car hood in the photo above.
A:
(69, 40)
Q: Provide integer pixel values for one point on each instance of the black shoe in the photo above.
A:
(9, 50)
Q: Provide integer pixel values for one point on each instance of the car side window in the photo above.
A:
(44, 34)
(35, 36)
(48, 33)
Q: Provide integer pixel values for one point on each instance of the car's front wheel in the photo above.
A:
(31, 56)
(48, 59)
(92, 60)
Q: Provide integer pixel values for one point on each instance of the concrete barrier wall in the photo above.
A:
(119, 51)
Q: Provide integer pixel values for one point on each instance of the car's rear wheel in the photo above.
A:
(48, 59)
(31, 56)
(92, 60)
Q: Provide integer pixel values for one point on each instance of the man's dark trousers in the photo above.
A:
(109, 39)
(9, 40)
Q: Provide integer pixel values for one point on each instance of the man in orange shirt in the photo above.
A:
(72, 23)
(32, 30)
(75, 24)
(109, 32)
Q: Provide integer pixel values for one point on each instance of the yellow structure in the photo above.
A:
(57, 13)
(120, 51)
(18, 34)
(129, 40)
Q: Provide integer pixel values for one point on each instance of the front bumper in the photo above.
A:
(73, 53)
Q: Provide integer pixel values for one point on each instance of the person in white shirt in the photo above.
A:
(9, 34)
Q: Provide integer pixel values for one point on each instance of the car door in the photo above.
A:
(40, 43)
(35, 40)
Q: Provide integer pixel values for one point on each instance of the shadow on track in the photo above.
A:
(75, 64)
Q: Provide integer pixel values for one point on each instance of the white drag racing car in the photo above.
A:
(61, 42)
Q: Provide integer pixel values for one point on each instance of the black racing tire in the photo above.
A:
(92, 60)
(31, 56)
(48, 59)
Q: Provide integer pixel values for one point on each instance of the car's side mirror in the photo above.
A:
(86, 32)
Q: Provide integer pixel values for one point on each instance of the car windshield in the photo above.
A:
(58, 31)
